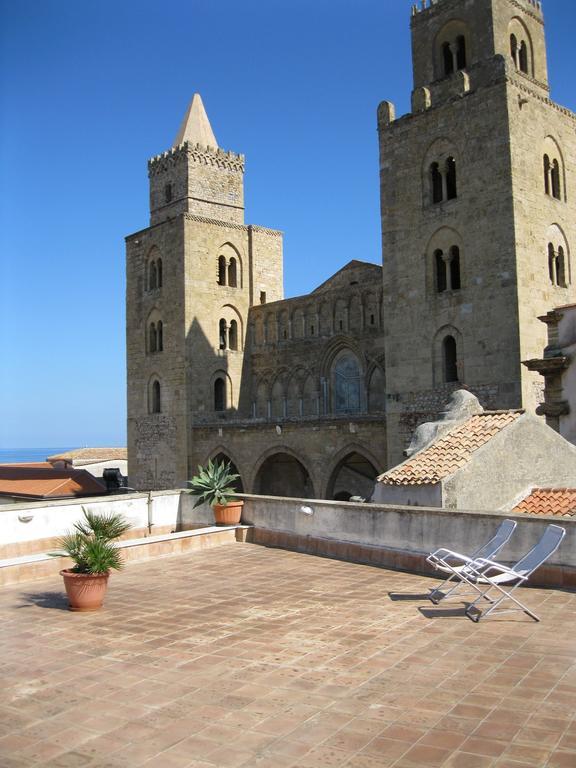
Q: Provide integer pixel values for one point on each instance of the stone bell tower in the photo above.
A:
(478, 217)
(192, 277)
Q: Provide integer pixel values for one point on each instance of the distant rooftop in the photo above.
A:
(451, 451)
(89, 455)
(42, 481)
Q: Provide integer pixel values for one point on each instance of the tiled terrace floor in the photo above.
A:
(246, 656)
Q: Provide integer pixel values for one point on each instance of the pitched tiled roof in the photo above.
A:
(451, 451)
(46, 483)
(549, 501)
(91, 454)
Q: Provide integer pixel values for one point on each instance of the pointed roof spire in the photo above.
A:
(196, 127)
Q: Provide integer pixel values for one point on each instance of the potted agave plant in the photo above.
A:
(214, 485)
(90, 546)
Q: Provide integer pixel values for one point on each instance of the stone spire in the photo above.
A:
(196, 127)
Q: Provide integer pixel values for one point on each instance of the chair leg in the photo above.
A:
(475, 614)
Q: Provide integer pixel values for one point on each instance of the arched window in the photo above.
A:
(547, 174)
(159, 336)
(555, 179)
(232, 274)
(447, 59)
(440, 267)
(514, 49)
(450, 359)
(221, 270)
(523, 57)
(152, 338)
(222, 334)
(159, 272)
(460, 52)
(152, 276)
(436, 183)
(451, 189)
(156, 404)
(233, 335)
(455, 268)
(168, 193)
(346, 383)
(219, 394)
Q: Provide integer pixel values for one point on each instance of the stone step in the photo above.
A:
(40, 565)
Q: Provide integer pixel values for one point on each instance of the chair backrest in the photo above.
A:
(548, 544)
(492, 547)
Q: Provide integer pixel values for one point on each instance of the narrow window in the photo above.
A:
(156, 403)
(448, 60)
(219, 395)
(461, 52)
(311, 330)
(160, 336)
(262, 297)
(168, 193)
(523, 57)
(372, 320)
(232, 278)
(233, 335)
(547, 174)
(221, 270)
(159, 273)
(153, 276)
(222, 334)
(436, 183)
(450, 359)
(152, 338)
(514, 49)
(555, 176)
(551, 264)
(451, 187)
(340, 324)
(440, 265)
(561, 268)
(455, 268)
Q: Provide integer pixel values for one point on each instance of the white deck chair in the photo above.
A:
(453, 563)
(485, 576)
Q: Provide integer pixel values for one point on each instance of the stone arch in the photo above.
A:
(310, 396)
(258, 330)
(445, 261)
(376, 388)
(278, 396)
(355, 313)
(229, 265)
(452, 49)
(270, 328)
(261, 394)
(221, 388)
(153, 269)
(294, 393)
(372, 304)
(325, 317)
(298, 323)
(345, 375)
(154, 341)
(281, 471)
(227, 316)
(441, 171)
(521, 46)
(154, 394)
(223, 454)
(341, 318)
(448, 340)
(353, 472)
(283, 326)
(554, 165)
(558, 249)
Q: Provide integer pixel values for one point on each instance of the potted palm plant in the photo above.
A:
(90, 546)
(213, 485)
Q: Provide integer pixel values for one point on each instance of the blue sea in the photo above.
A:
(17, 455)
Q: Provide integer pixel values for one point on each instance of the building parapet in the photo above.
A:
(425, 7)
(197, 153)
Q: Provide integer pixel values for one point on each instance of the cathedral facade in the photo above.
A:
(314, 396)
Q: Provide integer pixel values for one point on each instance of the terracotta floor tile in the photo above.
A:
(294, 660)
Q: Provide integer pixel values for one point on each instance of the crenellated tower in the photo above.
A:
(192, 277)
(478, 210)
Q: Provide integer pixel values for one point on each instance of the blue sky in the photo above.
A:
(90, 90)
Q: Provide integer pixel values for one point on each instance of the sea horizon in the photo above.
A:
(21, 455)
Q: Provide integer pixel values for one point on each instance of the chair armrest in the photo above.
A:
(482, 567)
(448, 553)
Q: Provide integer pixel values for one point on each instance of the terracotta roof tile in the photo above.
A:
(451, 451)
(559, 502)
(45, 483)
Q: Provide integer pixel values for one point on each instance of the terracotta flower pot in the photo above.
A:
(85, 590)
(228, 514)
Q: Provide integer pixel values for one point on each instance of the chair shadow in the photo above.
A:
(52, 600)
(443, 613)
(404, 596)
